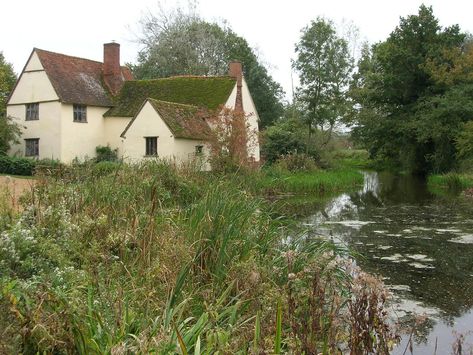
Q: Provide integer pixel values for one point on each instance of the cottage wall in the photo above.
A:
(79, 139)
(147, 124)
(47, 129)
(113, 128)
(35, 87)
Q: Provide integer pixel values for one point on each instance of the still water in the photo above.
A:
(420, 244)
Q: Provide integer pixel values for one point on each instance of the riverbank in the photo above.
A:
(451, 182)
(151, 258)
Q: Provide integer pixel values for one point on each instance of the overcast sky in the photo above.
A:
(273, 27)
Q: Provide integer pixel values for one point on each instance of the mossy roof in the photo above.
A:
(184, 121)
(203, 92)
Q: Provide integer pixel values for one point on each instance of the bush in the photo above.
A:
(105, 167)
(105, 153)
(285, 137)
(17, 166)
(296, 162)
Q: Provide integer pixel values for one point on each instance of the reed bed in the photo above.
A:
(117, 259)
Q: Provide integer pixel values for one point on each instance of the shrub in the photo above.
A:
(9, 133)
(296, 162)
(17, 166)
(105, 167)
(105, 153)
(285, 137)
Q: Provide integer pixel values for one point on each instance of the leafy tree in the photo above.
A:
(412, 95)
(9, 133)
(184, 44)
(464, 143)
(9, 130)
(284, 137)
(7, 81)
(324, 65)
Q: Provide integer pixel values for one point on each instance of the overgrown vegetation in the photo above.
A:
(148, 258)
(451, 181)
(105, 153)
(413, 92)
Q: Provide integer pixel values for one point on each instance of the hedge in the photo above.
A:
(16, 166)
(24, 166)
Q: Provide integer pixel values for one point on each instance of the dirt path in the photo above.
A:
(11, 188)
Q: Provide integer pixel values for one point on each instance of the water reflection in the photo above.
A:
(420, 244)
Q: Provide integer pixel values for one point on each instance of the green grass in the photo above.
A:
(450, 181)
(318, 182)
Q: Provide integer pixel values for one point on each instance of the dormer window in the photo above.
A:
(32, 112)
(80, 113)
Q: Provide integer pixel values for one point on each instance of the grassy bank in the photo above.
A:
(318, 182)
(450, 181)
(152, 259)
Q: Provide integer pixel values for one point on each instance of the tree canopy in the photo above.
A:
(413, 94)
(324, 65)
(7, 81)
(9, 130)
(185, 44)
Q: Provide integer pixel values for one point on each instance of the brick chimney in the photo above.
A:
(235, 70)
(112, 73)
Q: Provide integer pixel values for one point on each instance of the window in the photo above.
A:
(80, 113)
(151, 146)
(199, 149)
(32, 147)
(32, 112)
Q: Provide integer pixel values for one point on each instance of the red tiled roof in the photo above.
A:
(77, 80)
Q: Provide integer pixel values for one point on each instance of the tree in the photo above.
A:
(410, 99)
(180, 43)
(9, 133)
(7, 81)
(324, 65)
(284, 137)
(464, 143)
(9, 130)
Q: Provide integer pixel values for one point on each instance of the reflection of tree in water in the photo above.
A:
(418, 331)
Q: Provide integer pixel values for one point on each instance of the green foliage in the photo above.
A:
(324, 65)
(7, 81)
(152, 259)
(284, 137)
(182, 43)
(451, 181)
(9, 133)
(296, 162)
(320, 182)
(105, 153)
(464, 142)
(410, 108)
(17, 166)
(207, 93)
(26, 167)
(235, 230)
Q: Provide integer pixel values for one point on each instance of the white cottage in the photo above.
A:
(68, 106)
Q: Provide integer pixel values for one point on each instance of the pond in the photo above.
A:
(420, 244)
